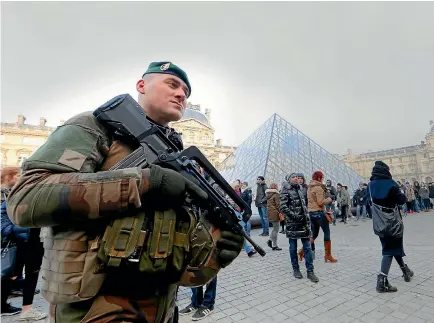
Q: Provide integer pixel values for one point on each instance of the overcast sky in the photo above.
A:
(349, 75)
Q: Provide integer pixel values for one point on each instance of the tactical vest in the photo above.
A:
(75, 262)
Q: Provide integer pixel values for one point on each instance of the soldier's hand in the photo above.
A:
(171, 184)
(230, 245)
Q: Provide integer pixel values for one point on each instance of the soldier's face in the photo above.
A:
(164, 97)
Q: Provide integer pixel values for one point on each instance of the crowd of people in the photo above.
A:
(302, 209)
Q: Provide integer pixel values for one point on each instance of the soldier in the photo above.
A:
(66, 186)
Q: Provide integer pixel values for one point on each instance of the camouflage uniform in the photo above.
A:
(65, 186)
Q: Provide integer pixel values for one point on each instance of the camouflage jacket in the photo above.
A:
(65, 186)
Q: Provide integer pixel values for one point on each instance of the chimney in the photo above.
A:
(218, 142)
(42, 121)
(208, 114)
(21, 120)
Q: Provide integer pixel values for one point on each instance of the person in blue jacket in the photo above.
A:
(385, 192)
(9, 232)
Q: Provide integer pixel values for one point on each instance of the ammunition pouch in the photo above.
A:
(152, 242)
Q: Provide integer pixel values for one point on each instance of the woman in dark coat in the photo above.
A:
(298, 226)
(386, 192)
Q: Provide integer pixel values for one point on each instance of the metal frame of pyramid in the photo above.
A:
(276, 149)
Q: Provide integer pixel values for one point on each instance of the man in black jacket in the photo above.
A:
(261, 204)
(246, 195)
(360, 201)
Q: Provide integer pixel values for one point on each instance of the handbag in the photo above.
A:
(246, 216)
(387, 222)
(329, 217)
(8, 259)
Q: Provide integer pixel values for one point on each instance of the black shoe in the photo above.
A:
(201, 313)
(8, 310)
(264, 234)
(252, 253)
(269, 244)
(407, 273)
(383, 285)
(297, 274)
(312, 277)
(188, 310)
(276, 248)
(281, 231)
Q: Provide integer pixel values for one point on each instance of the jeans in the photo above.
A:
(410, 206)
(274, 233)
(344, 212)
(417, 204)
(363, 207)
(307, 254)
(319, 220)
(264, 218)
(207, 300)
(247, 227)
(426, 204)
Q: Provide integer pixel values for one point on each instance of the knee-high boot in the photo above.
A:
(328, 252)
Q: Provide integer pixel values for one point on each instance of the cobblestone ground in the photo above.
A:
(264, 290)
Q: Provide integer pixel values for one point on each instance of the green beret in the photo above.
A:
(168, 68)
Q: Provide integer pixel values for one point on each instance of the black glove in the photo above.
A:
(170, 185)
(230, 245)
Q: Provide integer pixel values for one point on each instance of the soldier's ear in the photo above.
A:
(141, 86)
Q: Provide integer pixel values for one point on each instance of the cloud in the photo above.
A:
(348, 74)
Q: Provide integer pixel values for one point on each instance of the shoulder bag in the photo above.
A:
(387, 222)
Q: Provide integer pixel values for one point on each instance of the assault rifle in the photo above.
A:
(125, 117)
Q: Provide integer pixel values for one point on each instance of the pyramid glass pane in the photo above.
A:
(276, 149)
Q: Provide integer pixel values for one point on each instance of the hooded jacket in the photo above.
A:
(315, 196)
(273, 204)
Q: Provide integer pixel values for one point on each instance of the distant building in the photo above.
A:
(413, 163)
(19, 140)
(196, 130)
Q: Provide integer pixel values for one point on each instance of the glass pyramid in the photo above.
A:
(276, 149)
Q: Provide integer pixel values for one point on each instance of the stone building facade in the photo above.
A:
(19, 140)
(196, 130)
(413, 163)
